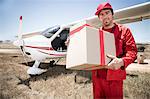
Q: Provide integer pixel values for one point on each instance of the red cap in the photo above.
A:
(103, 6)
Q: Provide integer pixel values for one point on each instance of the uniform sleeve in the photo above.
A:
(130, 49)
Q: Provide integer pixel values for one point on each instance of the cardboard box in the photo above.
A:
(84, 52)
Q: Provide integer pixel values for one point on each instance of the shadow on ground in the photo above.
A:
(54, 71)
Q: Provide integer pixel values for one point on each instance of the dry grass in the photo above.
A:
(59, 83)
(137, 85)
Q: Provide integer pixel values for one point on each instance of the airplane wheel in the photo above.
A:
(52, 63)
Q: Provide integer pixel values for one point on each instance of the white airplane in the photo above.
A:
(50, 43)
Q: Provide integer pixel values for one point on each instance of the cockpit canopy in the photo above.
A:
(50, 31)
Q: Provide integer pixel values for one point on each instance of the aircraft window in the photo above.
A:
(64, 34)
(58, 43)
(50, 31)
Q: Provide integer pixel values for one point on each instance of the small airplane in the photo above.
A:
(50, 43)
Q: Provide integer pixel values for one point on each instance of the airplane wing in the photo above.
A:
(126, 15)
(133, 14)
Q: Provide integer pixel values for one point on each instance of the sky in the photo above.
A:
(41, 14)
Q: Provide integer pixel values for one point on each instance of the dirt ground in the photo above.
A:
(57, 82)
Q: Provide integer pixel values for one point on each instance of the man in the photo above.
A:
(108, 83)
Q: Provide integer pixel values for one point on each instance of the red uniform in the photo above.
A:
(109, 83)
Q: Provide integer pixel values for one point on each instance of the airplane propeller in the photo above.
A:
(20, 42)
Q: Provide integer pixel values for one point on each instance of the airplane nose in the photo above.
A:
(18, 43)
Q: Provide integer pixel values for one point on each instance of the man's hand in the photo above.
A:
(116, 63)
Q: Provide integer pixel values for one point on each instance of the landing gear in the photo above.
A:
(53, 62)
(34, 70)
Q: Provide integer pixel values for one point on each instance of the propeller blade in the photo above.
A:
(20, 29)
(20, 41)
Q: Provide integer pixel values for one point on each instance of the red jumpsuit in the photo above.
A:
(109, 83)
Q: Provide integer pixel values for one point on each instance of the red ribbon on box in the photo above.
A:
(102, 49)
(78, 29)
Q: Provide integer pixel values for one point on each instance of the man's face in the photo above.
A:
(106, 17)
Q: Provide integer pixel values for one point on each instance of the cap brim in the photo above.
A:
(97, 12)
